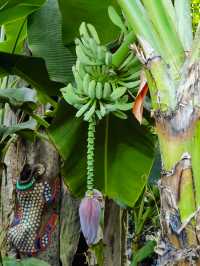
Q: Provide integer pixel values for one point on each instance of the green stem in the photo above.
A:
(119, 56)
(38, 118)
(90, 156)
(106, 154)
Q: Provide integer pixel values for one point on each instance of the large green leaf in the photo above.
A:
(123, 155)
(94, 12)
(45, 41)
(13, 15)
(14, 9)
(24, 98)
(31, 69)
(15, 33)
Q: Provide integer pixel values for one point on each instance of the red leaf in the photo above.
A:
(138, 104)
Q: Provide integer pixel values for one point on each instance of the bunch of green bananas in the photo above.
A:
(100, 88)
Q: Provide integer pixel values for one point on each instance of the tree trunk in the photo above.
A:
(115, 235)
(179, 134)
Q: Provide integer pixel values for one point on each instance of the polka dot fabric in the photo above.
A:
(23, 233)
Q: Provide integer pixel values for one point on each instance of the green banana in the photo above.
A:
(90, 112)
(83, 31)
(100, 54)
(85, 50)
(117, 93)
(71, 97)
(93, 33)
(123, 99)
(93, 47)
(130, 85)
(108, 58)
(77, 105)
(86, 44)
(106, 90)
(83, 109)
(99, 90)
(80, 69)
(83, 58)
(123, 106)
(86, 82)
(117, 20)
(102, 109)
(120, 114)
(133, 76)
(92, 89)
(78, 79)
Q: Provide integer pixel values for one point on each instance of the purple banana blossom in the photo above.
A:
(89, 212)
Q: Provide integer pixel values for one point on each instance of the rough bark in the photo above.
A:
(69, 228)
(115, 235)
(178, 134)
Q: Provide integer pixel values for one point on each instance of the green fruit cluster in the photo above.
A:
(99, 87)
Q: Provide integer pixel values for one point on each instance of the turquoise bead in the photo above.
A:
(25, 186)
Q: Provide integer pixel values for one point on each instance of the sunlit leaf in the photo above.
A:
(13, 10)
(15, 34)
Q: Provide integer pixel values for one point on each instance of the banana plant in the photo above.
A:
(170, 53)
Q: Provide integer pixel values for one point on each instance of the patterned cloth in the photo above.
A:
(24, 231)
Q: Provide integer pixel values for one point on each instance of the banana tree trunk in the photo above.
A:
(179, 189)
(115, 235)
(179, 137)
